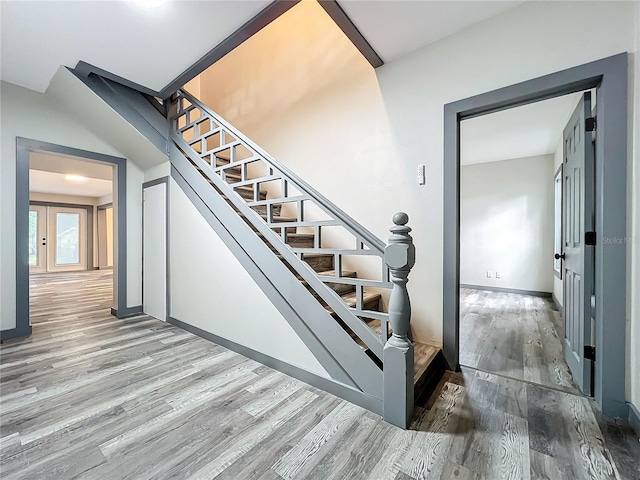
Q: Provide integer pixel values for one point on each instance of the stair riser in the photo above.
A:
(300, 242)
(247, 194)
(339, 288)
(320, 263)
(262, 209)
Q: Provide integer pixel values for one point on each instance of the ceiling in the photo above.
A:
(152, 47)
(48, 172)
(396, 27)
(521, 132)
(148, 46)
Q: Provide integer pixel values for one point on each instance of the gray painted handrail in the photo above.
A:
(349, 223)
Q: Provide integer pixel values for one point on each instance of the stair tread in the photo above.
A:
(350, 298)
(280, 219)
(332, 273)
(423, 356)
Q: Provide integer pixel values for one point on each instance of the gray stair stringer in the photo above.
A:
(149, 123)
(334, 348)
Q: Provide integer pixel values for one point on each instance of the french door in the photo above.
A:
(57, 239)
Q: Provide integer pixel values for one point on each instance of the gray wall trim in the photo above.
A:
(84, 69)
(126, 312)
(104, 206)
(609, 76)
(335, 388)
(333, 347)
(90, 225)
(24, 146)
(342, 20)
(159, 181)
(246, 31)
(556, 302)
(634, 418)
(150, 123)
(23, 331)
(534, 293)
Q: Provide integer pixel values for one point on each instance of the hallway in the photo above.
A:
(89, 396)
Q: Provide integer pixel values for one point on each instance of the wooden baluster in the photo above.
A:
(399, 255)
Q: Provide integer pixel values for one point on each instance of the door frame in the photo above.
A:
(609, 77)
(24, 147)
(101, 208)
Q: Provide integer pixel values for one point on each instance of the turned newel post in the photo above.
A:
(399, 255)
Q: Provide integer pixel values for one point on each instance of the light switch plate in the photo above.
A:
(421, 178)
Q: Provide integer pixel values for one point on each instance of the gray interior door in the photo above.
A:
(578, 218)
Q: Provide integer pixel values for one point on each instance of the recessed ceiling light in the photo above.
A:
(150, 4)
(76, 178)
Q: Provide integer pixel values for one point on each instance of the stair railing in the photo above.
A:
(400, 256)
(203, 136)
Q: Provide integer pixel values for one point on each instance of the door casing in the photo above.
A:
(609, 77)
(24, 146)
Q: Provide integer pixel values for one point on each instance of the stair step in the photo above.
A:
(371, 300)
(340, 288)
(293, 240)
(276, 208)
(428, 368)
(320, 262)
(332, 273)
(245, 192)
(300, 240)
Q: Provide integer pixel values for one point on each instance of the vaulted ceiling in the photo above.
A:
(153, 46)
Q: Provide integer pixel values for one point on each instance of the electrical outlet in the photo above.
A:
(497, 274)
(488, 274)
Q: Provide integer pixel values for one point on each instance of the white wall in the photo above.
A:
(160, 171)
(211, 290)
(25, 113)
(357, 134)
(506, 223)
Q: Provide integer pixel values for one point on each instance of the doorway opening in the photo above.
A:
(57, 231)
(71, 235)
(512, 320)
(609, 77)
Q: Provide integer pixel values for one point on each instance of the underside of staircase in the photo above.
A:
(233, 181)
(429, 364)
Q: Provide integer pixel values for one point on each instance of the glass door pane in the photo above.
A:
(33, 238)
(67, 250)
(67, 239)
(37, 239)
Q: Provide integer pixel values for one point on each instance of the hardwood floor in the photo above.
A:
(517, 336)
(89, 396)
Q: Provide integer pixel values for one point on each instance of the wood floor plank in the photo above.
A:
(139, 399)
(513, 335)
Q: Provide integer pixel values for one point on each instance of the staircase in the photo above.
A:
(232, 164)
(428, 361)
(332, 279)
